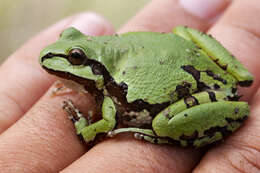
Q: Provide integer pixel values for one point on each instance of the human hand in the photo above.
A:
(43, 139)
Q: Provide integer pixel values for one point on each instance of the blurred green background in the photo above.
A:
(21, 19)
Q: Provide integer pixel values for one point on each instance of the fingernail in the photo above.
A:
(204, 9)
(92, 24)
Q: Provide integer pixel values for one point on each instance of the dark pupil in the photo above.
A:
(76, 57)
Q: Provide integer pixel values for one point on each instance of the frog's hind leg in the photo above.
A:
(200, 119)
(217, 53)
(141, 134)
(85, 128)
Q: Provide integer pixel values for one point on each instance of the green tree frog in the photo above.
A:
(178, 87)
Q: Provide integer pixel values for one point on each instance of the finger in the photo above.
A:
(240, 152)
(45, 125)
(163, 15)
(238, 30)
(24, 80)
(126, 154)
(241, 34)
(43, 140)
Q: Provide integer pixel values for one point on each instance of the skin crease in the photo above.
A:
(43, 140)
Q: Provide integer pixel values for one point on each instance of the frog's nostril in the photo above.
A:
(48, 55)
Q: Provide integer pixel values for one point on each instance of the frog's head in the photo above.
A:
(69, 57)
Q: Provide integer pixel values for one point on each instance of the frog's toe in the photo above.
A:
(75, 116)
(73, 113)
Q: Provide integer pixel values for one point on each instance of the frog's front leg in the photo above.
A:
(200, 119)
(85, 128)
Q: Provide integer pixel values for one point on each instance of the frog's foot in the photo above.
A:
(60, 89)
(106, 124)
(141, 134)
(76, 116)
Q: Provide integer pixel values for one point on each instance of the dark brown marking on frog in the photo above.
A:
(234, 90)
(127, 118)
(236, 110)
(161, 62)
(224, 67)
(183, 90)
(191, 101)
(123, 86)
(190, 69)
(213, 130)
(212, 96)
(239, 120)
(246, 83)
(196, 75)
(234, 98)
(215, 77)
(216, 86)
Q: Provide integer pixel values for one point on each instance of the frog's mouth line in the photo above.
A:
(117, 91)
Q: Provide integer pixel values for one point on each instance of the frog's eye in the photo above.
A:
(77, 57)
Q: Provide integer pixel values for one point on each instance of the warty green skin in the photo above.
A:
(189, 72)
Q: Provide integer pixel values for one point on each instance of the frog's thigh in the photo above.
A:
(104, 125)
(202, 124)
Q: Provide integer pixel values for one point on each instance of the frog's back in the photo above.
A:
(161, 67)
